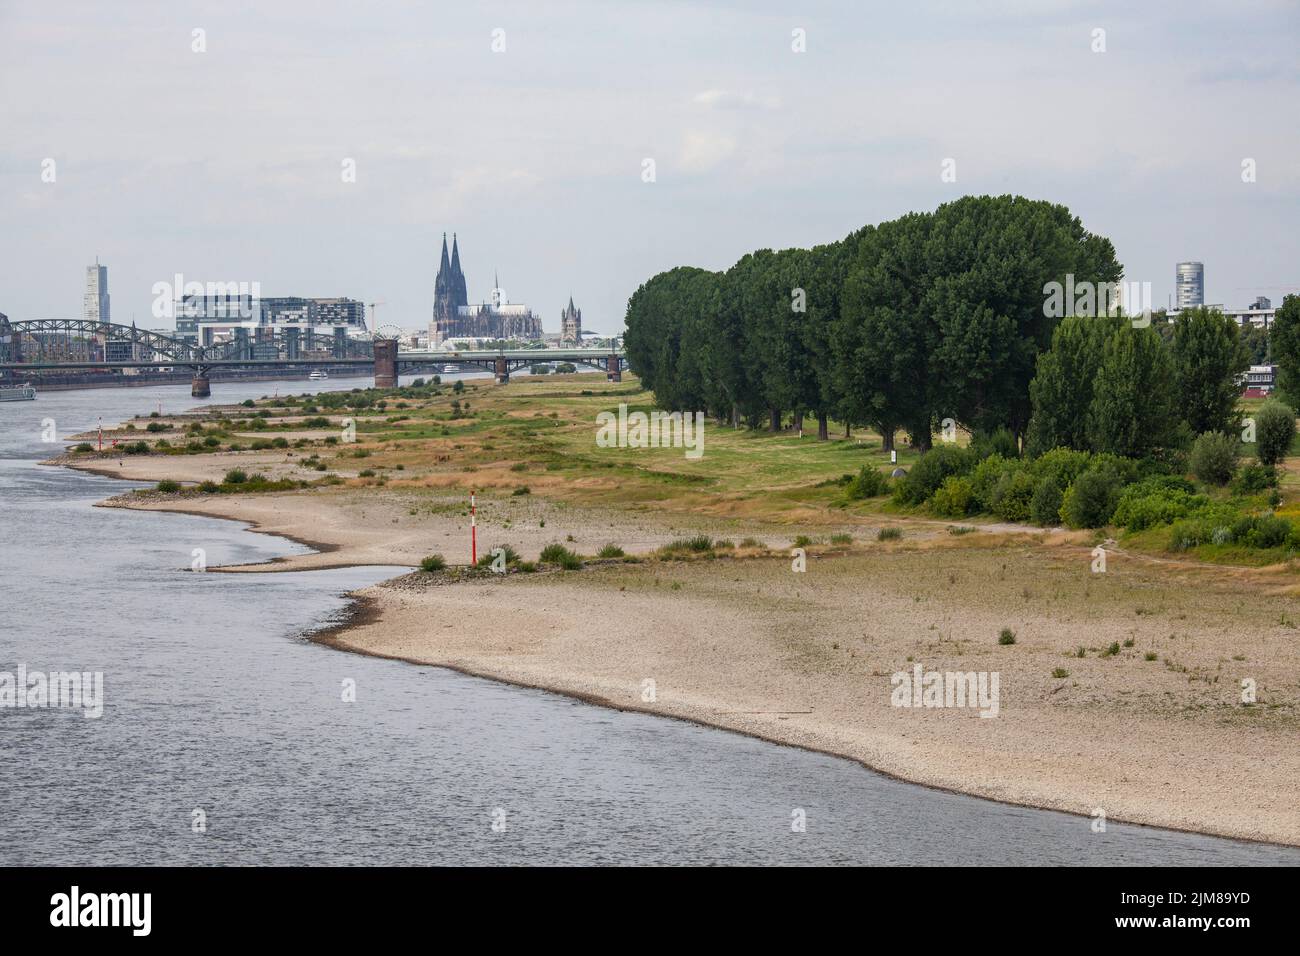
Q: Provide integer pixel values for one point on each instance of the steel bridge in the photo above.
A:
(55, 344)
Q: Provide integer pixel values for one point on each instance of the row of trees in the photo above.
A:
(896, 326)
(941, 315)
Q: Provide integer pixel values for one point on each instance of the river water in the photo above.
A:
(215, 701)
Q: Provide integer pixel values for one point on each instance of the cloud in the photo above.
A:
(705, 150)
(732, 100)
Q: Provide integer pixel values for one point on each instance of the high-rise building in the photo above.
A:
(571, 325)
(1189, 285)
(95, 303)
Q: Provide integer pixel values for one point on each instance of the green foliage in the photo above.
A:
(1133, 411)
(1284, 343)
(434, 562)
(889, 534)
(1254, 478)
(928, 474)
(1007, 636)
(1207, 357)
(870, 482)
(168, 486)
(610, 551)
(1013, 495)
(1274, 427)
(459, 387)
(1062, 389)
(1214, 457)
(235, 476)
(1000, 442)
(1156, 501)
(1045, 506)
(953, 498)
(559, 555)
(1091, 500)
(511, 555)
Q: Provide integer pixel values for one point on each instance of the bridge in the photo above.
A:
(57, 344)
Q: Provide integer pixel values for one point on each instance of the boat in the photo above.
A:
(17, 393)
(317, 375)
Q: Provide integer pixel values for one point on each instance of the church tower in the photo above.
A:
(444, 307)
(571, 325)
(459, 293)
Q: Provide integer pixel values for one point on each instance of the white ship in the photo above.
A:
(17, 393)
(317, 375)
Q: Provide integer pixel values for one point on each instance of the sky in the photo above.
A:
(525, 129)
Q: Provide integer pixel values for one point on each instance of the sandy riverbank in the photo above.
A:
(806, 658)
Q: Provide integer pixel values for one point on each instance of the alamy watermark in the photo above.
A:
(62, 689)
(922, 688)
(237, 299)
(655, 430)
(1090, 300)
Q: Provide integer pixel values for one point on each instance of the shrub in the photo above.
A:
(169, 486)
(953, 498)
(1091, 500)
(1254, 478)
(1007, 636)
(84, 447)
(521, 491)
(1045, 506)
(366, 473)
(212, 441)
(928, 474)
(610, 551)
(1143, 506)
(157, 426)
(889, 534)
(1060, 673)
(560, 555)
(511, 555)
(869, 483)
(1274, 430)
(752, 543)
(458, 387)
(1062, 465)
(1001, 443)
(841, 538)
(434, 562)
(802, 541)
(699, 543)
(209, 487)
(235, 476)
(1214, 458)
(984, 477)
(1013, 494)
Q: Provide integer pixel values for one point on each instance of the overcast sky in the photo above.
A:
(226, 165)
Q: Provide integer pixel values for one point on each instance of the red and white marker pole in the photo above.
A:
(473, 531)
(101, 434)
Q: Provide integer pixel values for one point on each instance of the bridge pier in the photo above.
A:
(502, 371)
(201, 386)
(613, 369)
(385, 363)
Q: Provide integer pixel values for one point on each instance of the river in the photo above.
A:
(218, 708)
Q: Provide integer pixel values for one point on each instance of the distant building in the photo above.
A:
(571, 325)
(95, 307)
(216, 316)
(1189, 285)
(1258, 381)
(455, 318)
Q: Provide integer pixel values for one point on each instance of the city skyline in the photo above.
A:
(754, 144)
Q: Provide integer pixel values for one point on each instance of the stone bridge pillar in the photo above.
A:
(502, 371)
(201, 386)
(613, 369)
(385, 363)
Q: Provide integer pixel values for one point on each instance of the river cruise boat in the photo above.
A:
(317, 375)
(17, 393)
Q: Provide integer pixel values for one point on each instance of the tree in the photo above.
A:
(1274, 431)
(1284, 343)
(1134, 411)
(1207, 358)
(1061, 392)
(1214, 457)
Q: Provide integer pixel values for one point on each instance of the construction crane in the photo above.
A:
(372, 306)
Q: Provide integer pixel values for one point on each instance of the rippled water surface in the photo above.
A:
(214, 700)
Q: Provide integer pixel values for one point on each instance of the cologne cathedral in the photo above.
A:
(455, 318)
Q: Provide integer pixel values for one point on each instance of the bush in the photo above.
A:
(1013, 494)
(169, 486)
(869, 483)
(1091, 500)
(1155, 502)
(157, 427)
(1214, 458)
(1007, 636)
(434, 562)
(889, 534)
(521, 491)
(953, 499)
(928, 474)
(562, 556)
(1274, 431)
(610, 551)
(1001, 443)
(1062, 465)
(1045, 506)
(209, 487)
(698, 544)
(511, 555)
(1254, 478)
(84, 447)
(235, 476)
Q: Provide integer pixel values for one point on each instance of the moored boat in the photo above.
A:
(17, 393)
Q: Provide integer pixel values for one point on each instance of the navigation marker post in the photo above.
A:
(101, 434)
(473, 531)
